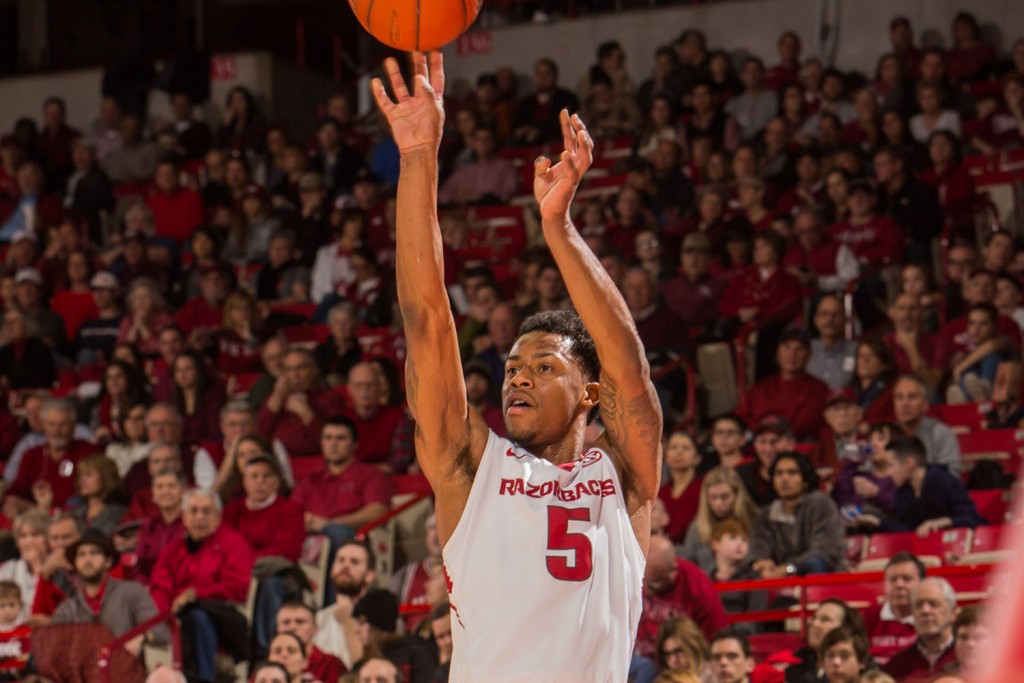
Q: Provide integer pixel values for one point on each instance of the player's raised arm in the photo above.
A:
(434, 383)
(628, 403)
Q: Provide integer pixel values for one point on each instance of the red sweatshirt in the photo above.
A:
(276, 530)
(218, 570)
(878, 241)
(779, 295)
(302, 439)
(798, 401)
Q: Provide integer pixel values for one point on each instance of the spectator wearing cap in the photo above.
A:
(763, 294)
(693, 294)
(88, 191)
(792, 393)
(843, 417)
(832, 354)
(313, 227)
(376, 616)
(22, 251)
(29, 294)
(772, 436)
(26, 360)
(800, 532)
(489, 178)
(874, 239)
(337, 162)
(48, 472)
(197, 576)
(928, 498)
(177, 210)
(201, 316)
(118, 605)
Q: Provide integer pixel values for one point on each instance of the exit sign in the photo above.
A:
(474, 43)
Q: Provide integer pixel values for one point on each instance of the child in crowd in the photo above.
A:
(730, 542)
(865, 484)
(15, 636)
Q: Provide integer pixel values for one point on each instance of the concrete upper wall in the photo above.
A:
(751, 25)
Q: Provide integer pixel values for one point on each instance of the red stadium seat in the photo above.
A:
(764, 644)
(933, 550)
(966, 417)
(949, 545)
(1002, 445)
(988, 538)
(992, 504)
(495, 234)
(856, 546)
(859, 595)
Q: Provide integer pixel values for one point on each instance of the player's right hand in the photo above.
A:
(417, 117)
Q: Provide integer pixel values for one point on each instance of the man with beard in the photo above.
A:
(352, 574)
(118, 605)
(299, 619)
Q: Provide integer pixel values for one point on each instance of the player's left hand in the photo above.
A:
(417, 117)
(555, 186)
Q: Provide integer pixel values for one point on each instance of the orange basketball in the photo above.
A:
(416, 24)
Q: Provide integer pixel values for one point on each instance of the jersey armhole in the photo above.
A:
(474, 490)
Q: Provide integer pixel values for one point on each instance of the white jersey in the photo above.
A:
(543, 571)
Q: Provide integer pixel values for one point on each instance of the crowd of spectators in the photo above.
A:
(201, 359)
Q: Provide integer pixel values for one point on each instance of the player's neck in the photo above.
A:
(566, 450)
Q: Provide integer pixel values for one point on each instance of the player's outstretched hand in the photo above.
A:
(554, 186)
(416, 118)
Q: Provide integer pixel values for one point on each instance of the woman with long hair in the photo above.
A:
(722, 496)
(681, 492)
(951, 180)
(74, 302)
(873, 375)
(240, 339)
(198, 394)
(681, 651)
(228, 482)
(145, 318)
(100, 490)
(129, 445)
(123, 385)
(243, 125)
(660, 126)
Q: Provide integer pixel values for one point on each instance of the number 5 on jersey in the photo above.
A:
(560, 538)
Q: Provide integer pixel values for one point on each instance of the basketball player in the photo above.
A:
(543, 542)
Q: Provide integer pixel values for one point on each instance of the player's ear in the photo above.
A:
(591, 394)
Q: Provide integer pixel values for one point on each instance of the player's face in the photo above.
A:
(544, 390)
(728, 663)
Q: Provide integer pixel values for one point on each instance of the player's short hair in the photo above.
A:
(567, 324)
(904, 557)
(731, 633)
(729, 527)
(842, 634)
(10, 591)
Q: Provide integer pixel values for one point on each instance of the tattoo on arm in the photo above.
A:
(646, 424)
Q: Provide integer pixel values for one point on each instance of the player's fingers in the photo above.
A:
(437, 72)
(381, 95)
(541, 165)
(397, 82)
(568, 139)
(584, 143)
(419, 65)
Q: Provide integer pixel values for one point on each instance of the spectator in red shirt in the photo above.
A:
(814, 258)
(970, 57)
(692, 295)
(299, 619)
(273, 526)
(913, 349)
(177, 210)
(197, 577)
(890, 624)
(297, 408)
(377, 424)
(792, 394)
(787, 71)
(418, 582)
(46, 477)
(161, 528)
(347, 493)
(681, 492)
(675, 587)
(146, 317)
(934, 604)
(201, 317)
(875, 240)
(901, 36)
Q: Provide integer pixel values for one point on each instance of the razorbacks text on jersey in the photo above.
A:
(544, 571)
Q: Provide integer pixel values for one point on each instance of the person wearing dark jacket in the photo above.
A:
(928, 498)
(800, 533)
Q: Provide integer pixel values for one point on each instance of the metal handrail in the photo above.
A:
(172, 624)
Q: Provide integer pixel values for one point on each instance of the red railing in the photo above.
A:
(172, 624)
(839, 579)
